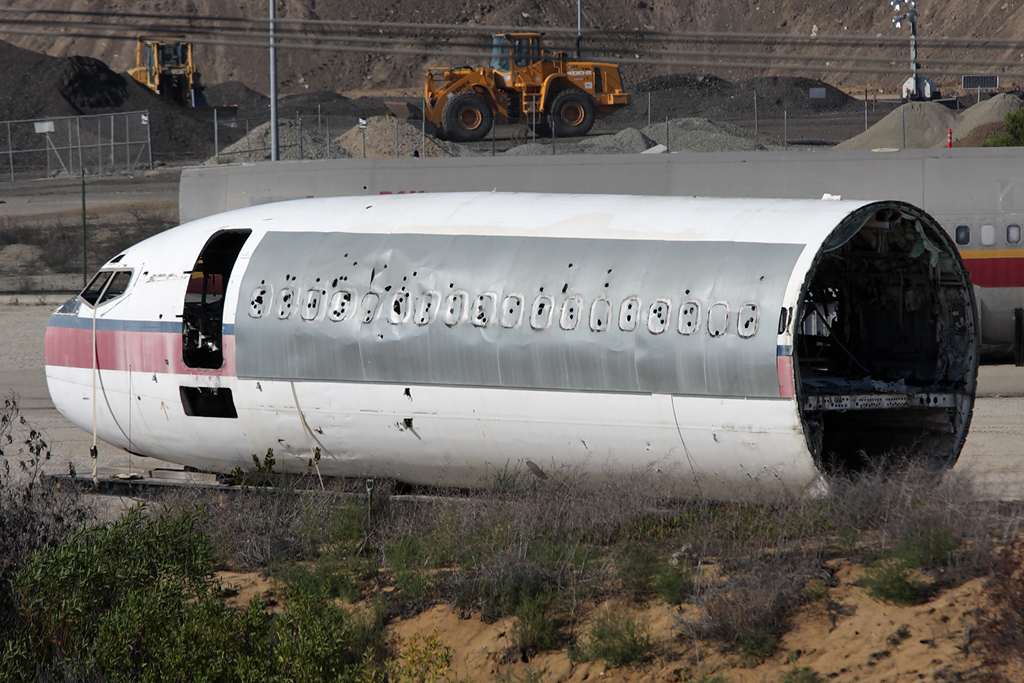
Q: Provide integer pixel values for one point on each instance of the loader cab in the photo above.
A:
(518, 58)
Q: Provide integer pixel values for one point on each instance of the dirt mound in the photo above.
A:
(383, 133)
(992, 110)
(927, 124)
(710, 97)
(250, 103)
(35, 86)
(294, 142)
(913, 125)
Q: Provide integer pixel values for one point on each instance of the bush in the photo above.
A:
(617, 639)
(537, 623)
(33, 514)
(1014, 136)
(802, 675)
(136, 601)
(892, 580)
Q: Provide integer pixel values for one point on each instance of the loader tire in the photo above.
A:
(572, 113)
(467, 117)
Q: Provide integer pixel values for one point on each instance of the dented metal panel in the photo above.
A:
(561, 278)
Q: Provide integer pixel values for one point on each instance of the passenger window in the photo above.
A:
(285, 302)
(342, 305)
(543, 307)
(93, 289)
(314, 298)
(628, 313)
(512, 310)
(455, 308)
(369, 307)
(483, 309)
(718, 319)
(600, 312)
(258, 301)
(658, 318)
(963, 234)
(746, 323)
(689, 317)
(570, 313)
(400, 308)
(1013, 234)
(427, 308)
(988, 235)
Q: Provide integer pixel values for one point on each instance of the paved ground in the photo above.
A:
(992, 455)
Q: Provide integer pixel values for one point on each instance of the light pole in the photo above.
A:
(912, 16)
(274, 146)
(579, 29)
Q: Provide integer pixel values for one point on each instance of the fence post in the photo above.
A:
(216, 139)
(149, 139)
(78, 130)
(648, 107)
(785, 129)
(10, 150)
(668, 146)
(298, 120)
(903, 120)
(328, 137)
(112, 143)
(99, 147)
(85, 255)
(755, 112)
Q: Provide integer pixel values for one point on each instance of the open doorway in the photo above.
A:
(202, 319)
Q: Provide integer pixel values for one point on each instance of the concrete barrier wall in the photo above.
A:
(945, 182)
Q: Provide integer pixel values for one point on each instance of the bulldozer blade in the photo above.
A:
(405, 110)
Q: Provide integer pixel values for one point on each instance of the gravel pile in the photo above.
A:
(710, 97)
(689, 134)
(381, 133)
(255, 146)
(927, 124)
(990, 111)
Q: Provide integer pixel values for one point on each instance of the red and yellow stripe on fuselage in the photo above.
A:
(995, 267)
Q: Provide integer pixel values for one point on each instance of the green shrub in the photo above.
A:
(930, 545)
(756, 643)
(801, 675)
(892, 580)
(536, 626)
(1014, 136)
(617, 639)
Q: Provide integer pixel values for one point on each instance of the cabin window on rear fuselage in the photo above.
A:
(1013, 234)
(963, 234)
(988, 235)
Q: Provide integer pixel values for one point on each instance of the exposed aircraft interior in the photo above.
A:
(872, 380)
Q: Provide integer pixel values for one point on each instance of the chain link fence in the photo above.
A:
(69, 146)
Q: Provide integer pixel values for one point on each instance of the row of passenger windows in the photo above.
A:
(483, 310)
(986, 235)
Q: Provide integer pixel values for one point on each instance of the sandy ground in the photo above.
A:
(992, 454)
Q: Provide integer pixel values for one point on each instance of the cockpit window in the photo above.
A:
(106, 285)
(92, 290)
(118, 284)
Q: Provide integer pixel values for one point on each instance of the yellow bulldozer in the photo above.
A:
(522, 84)
(164, 65)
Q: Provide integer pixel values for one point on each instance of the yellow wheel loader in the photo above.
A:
(522, 84)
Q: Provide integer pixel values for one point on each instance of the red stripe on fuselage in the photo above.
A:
(157, 352)
(996, 272)
(784, 365)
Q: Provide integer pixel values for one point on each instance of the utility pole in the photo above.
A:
(274, 146)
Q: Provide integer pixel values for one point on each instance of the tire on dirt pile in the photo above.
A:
(572, 113)
(467, 117)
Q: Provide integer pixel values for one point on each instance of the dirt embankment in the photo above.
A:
(311, 70)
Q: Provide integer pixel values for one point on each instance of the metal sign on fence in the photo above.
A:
(75, 145)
